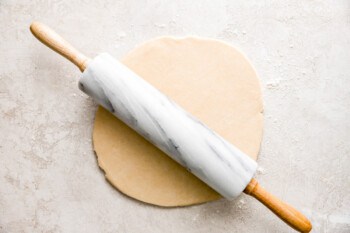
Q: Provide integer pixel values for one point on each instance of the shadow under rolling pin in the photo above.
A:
(170, 128)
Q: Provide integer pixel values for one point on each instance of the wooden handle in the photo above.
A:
(288, 214)
(54, 41)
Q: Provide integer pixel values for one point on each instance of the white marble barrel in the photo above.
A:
(166, 125)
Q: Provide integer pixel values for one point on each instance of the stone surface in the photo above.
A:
(301, 51)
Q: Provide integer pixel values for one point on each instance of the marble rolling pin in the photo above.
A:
(165, 124)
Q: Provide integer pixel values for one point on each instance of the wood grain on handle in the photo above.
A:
(288, 214)
(51, 39)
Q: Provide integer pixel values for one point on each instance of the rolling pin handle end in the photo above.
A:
(54, 41)
(287, 213)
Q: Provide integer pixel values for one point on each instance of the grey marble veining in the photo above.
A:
(161, 121)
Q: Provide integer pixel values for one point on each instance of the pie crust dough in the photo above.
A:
(210, 79)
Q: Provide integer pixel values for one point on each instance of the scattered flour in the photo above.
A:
(260, 171)
(273, 84)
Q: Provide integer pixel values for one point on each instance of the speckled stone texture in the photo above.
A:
(50, 181)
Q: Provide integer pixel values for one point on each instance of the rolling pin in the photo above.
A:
(165, 124)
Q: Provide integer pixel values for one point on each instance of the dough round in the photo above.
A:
(208, 78)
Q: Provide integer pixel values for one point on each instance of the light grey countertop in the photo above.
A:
(50, 181)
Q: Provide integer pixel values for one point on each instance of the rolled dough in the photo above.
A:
(208, 78)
